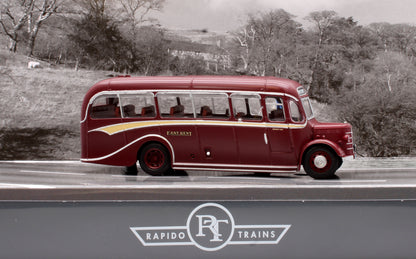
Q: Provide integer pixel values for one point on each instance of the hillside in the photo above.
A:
(46, 97)
(40, 111)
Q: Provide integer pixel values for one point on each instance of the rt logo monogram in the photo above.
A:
(210, 226)
(211, 223)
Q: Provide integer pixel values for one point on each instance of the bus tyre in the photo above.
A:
(321, 163)
(154, 159)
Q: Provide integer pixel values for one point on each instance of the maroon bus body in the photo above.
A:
(227, 144)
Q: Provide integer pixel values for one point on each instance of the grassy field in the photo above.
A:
(40, 109)
(44, 97)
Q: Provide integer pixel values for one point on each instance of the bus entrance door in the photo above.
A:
(278, 132)
(281, 146)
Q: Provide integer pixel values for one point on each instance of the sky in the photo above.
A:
(229, 15)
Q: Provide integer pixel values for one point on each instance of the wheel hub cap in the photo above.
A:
(320, 161)
(154, 159)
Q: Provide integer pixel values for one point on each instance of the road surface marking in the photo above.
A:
(248, 178)
(41, 162)
(375, 169)
(50, 172)
(26, 186)
(348, 181)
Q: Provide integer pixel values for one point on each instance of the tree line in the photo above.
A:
(365, 72)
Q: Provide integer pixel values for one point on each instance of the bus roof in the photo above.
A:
(226, 83)
(231, 83)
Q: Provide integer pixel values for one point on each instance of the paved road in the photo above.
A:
(362, 179)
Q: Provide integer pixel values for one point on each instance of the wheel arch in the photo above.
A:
(153, 138)
(321, 143)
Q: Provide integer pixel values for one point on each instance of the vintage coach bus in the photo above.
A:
(252, 124)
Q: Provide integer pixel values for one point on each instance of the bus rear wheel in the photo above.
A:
(154, 159)
(321, 163)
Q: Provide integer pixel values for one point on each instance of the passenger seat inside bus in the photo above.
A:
(129, 110)
(103, 111)
(277, 115)
(240, 115)
(177, 110)
(148, 111)
(206, 111)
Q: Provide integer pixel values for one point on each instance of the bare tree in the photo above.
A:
(16, 13)
(266, 41)
(13, 16)
(136, 14)
(245, 39)
(323, 20)
(137, 10)
(36, 16)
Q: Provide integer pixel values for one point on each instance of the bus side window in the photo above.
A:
(247, 107)
(213, 106)
(295, 112)
(175, 105)
(274, 107)
(106, 106)
(138, 105)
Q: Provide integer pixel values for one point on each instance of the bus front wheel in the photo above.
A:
(154, 159)
(320, 163)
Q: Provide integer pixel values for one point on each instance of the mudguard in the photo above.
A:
(323, 142)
